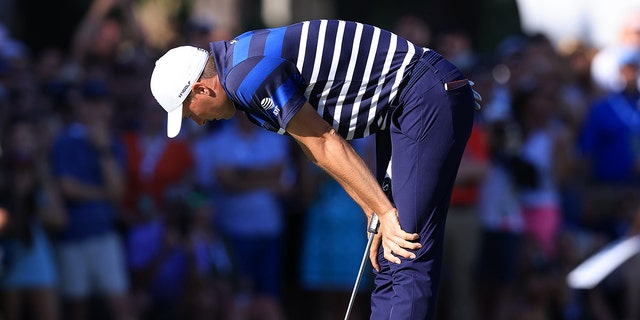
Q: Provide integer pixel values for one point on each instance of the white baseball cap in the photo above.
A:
(172, 78)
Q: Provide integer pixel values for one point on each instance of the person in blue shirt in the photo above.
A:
(88, 162)
(610, 135)
(323, 82)
(609, 144)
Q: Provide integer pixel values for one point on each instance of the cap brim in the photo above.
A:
(174, 122)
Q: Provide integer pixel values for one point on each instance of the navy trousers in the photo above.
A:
(428, 133)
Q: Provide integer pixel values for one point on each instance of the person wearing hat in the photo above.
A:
(323, 82)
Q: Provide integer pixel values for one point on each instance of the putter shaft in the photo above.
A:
(373, 230)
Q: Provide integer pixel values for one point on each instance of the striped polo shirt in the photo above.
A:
(350, 72)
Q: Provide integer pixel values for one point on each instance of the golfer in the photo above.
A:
(323, 82)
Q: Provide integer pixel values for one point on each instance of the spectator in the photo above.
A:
(157, 252)
(215, 278)
(502, 225)
(544, 147)
(500, 215)
(545, 150)
(577, 95)
(580, 89)
(34, 207)
(88, 165)
(608, 143)
(105, 33)
(155, 165)
(109, 41)
(159, 262)
(605, 64)
(249, 175)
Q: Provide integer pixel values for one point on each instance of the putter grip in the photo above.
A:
(374, 224)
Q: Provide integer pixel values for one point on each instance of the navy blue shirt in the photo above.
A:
(610, 137)
(350, 72)
(75, 157)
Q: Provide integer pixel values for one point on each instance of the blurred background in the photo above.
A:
(103, 217)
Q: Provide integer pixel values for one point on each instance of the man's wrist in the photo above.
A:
(387, 211)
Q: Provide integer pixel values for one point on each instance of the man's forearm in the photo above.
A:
(335, 156)
(114, 183)
(75, 190)
(112, 188)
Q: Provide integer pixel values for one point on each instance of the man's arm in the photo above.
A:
(334, 155)
(113, 186)
(111, 190)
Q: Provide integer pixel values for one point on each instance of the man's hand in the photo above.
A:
(395, 241)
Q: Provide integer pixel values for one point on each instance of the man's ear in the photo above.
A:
(200, 88)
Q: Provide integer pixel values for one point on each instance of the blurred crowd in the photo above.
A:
(103, 217)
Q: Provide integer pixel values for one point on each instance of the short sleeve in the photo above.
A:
(269, 89)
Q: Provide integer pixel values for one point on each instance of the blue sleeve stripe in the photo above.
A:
(284, 93)
(257, 75)
(241, 50)
(273, 46)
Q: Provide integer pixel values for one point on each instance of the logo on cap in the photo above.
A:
(184, 89)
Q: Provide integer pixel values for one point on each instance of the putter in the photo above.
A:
(372, 230)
